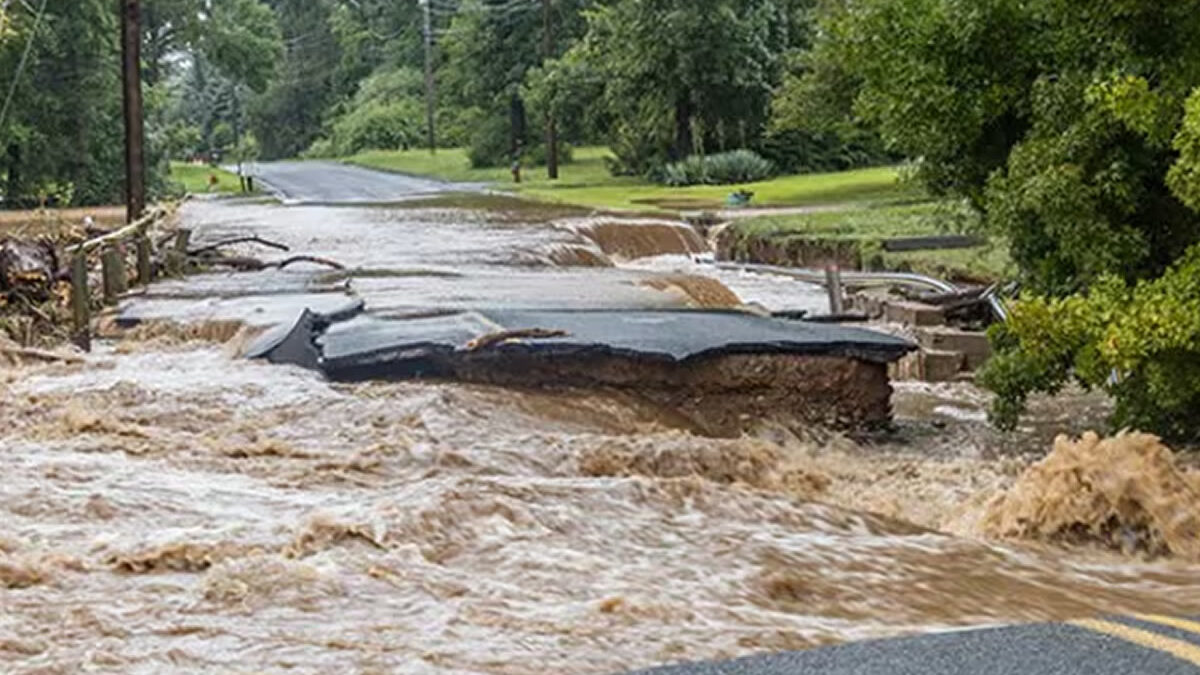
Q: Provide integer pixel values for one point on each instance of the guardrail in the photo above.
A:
(114, 273)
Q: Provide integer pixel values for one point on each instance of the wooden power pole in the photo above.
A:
(429, 86)
(135, 132)
(551, 123)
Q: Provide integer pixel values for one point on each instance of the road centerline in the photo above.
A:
(1184, 651)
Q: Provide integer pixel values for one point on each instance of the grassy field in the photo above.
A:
(867, 226)
(877, 205)
(194, 178)
(587, 182)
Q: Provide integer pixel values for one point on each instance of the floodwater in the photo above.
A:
(169, 508)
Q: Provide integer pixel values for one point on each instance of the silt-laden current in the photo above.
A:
(168, 507)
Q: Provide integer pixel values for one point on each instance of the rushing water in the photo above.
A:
(167, 507)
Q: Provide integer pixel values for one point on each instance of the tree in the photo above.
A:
(1140, 343)
(681, 76)
(288, 116)
(62, 136)
(242, 39)
(1054, 118)
(489, 48)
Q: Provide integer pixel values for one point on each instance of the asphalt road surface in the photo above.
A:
(1111, 646)
(316, 182)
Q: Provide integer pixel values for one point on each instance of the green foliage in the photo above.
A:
(680, 77)
(63, 133)
(1184, 175)
(386, 113)
(1055, 118)
(490, 143)
(801, 151)
(1139, 343)
(726, 168)
(242, 38)
(288, 116)
(379, 126)
(183, 140)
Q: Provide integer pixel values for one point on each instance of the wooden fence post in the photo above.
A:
(81, 303)
(177, 255)
(113, 265)
(144, 269)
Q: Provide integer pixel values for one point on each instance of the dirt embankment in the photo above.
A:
(773, 248)
(723, 395)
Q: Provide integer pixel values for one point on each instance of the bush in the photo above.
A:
(378, 126)
(726, 168)
(491, 143)
(491, 146)
(794, 151)
(1140, 344)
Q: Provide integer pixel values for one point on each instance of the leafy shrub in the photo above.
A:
(491, 146)
(795, 151)
(1140, 344)
(491, 143)
(726, 168)
(378, 126)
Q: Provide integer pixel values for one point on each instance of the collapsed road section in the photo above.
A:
(723, 370)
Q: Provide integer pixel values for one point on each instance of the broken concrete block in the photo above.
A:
(940, 366)
(973, 345)
(914, 314)
(929, 365)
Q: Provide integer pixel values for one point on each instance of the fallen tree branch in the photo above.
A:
(240, 263)
(137, 226)
(239, 240)
(39, 354)
(248, 264)
(312, 259)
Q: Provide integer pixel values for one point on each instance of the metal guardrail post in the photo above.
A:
(833, 283)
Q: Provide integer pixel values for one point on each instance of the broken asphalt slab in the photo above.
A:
(364, 347)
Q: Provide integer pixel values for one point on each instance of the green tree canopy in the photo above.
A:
(682, 76)
(1056, 118)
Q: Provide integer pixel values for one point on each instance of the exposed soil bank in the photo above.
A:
(734, 244)
(724, 395)
(792, 248)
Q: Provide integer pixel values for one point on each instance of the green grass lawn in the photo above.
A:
(867, 226)
(587, 182)
(194, 178)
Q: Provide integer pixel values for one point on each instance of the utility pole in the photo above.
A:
(135, 132)
(551, 123)
(429, 88)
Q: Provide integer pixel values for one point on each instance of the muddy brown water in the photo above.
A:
(167, 507)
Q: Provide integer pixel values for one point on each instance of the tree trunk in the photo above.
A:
(683, 127)
(12, 191)
(516, 116)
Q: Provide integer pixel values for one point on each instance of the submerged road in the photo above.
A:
(319, 182)
(1147, 645)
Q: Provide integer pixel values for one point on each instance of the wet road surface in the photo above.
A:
(318, 182)
(1114, 646)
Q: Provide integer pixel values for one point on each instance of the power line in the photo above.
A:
(12, 88)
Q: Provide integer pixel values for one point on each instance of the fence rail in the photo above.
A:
(113, 271)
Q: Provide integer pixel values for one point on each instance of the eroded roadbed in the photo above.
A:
(721, 369)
